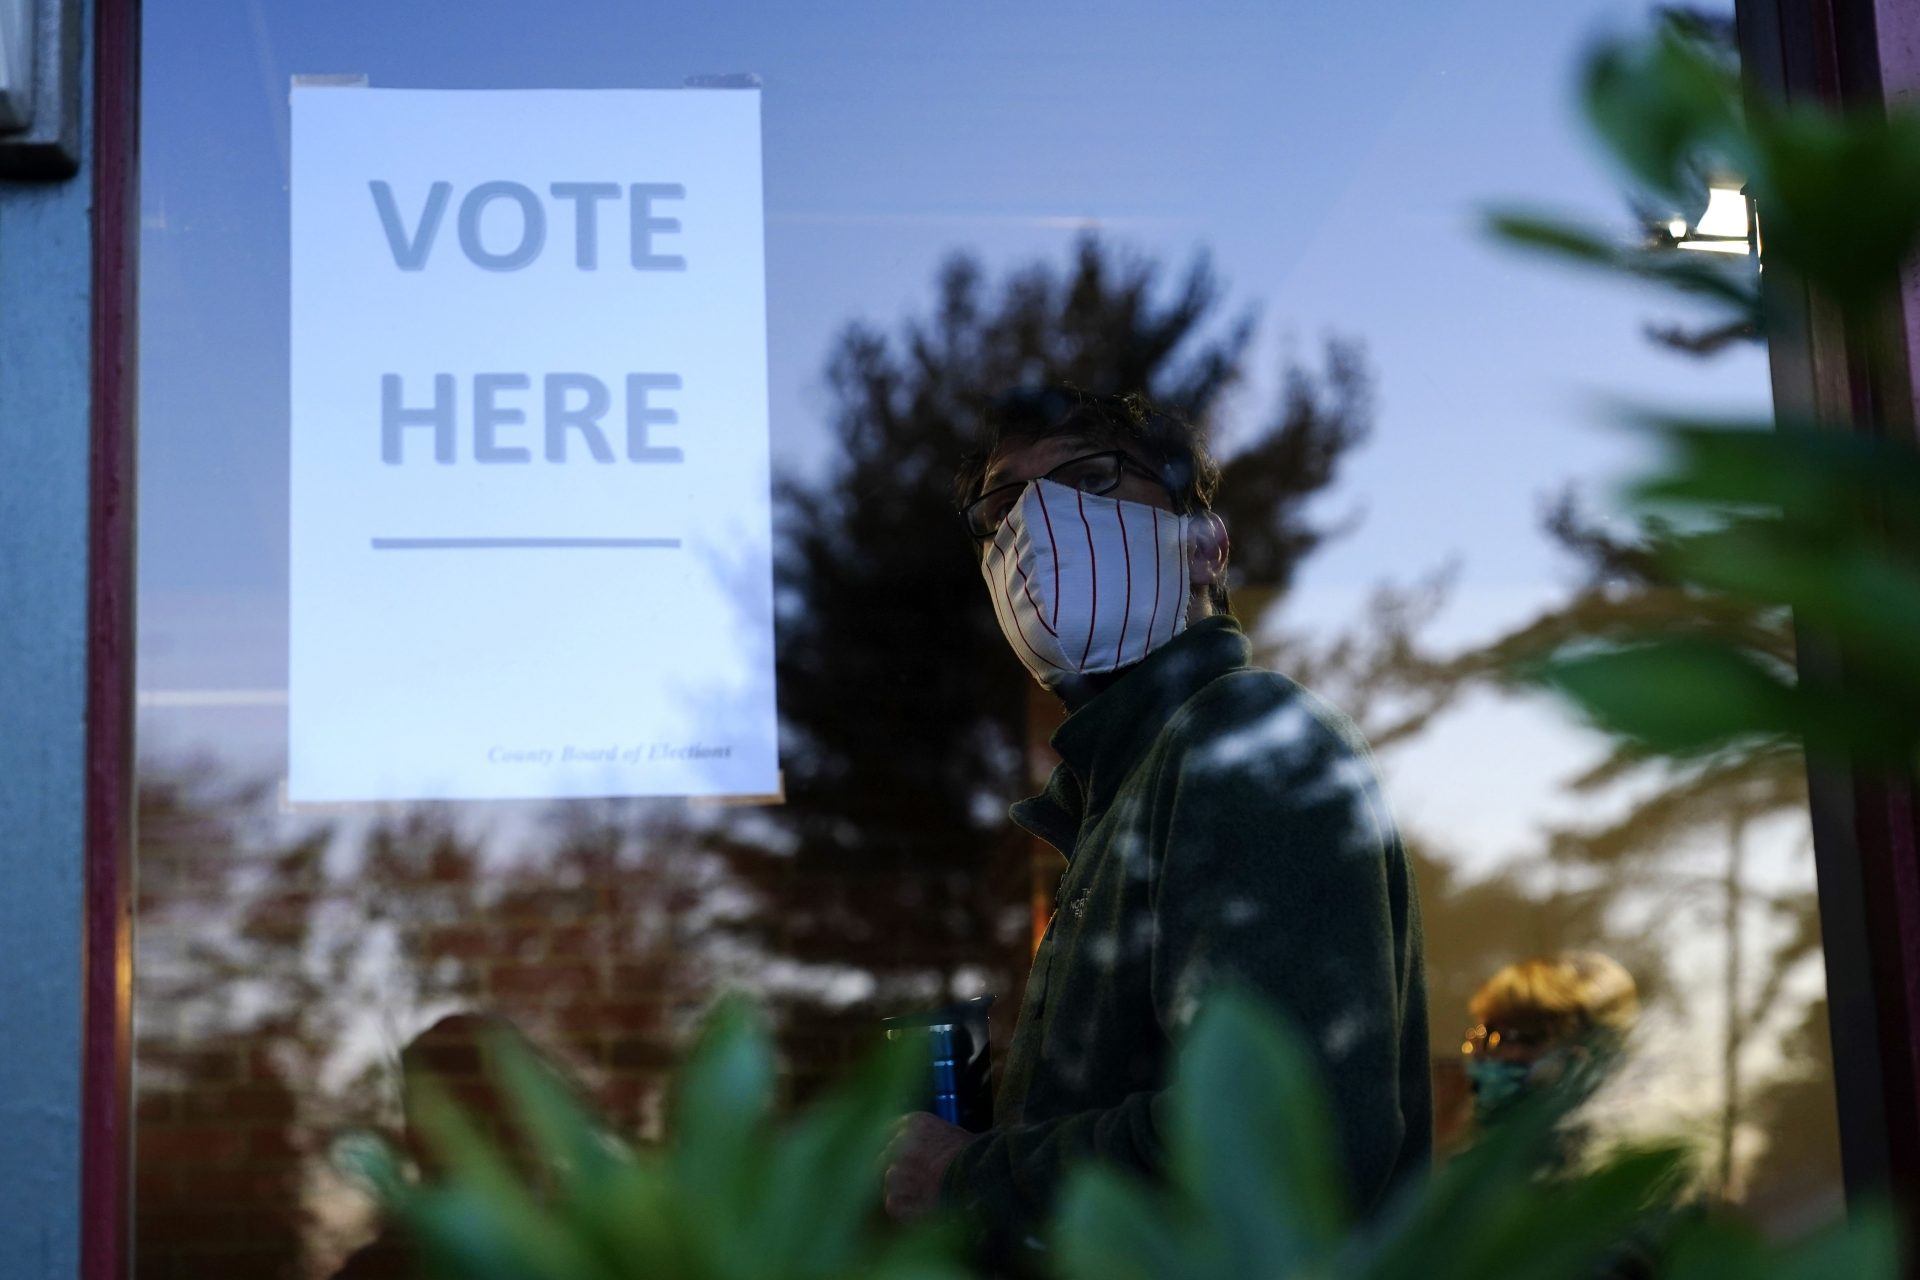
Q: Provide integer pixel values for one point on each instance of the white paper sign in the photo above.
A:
(531, 536)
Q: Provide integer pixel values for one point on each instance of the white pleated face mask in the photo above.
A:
(1083, 584)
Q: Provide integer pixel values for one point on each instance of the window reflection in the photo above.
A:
(285, 959)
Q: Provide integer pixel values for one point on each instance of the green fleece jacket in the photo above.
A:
(1218, 821)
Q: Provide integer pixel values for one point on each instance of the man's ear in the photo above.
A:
(1207, 549)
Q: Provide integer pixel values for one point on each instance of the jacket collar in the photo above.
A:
(1100, 743)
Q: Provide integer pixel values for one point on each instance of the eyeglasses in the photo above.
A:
(1095, 473)
(1482, 1039)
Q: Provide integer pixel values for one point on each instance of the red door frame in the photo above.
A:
(106, 1133)
(1859, 54)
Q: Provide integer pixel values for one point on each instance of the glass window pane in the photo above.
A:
(1266, 221)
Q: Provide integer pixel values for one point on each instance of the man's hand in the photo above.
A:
(923, 1146)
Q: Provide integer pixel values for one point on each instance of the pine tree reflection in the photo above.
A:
(906, 719)
(282, 961)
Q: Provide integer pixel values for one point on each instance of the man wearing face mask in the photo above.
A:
(1220, 825)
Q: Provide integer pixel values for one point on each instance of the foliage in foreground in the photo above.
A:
(1756, 528)
(731, 1195)
(1254, 1178)
(1253, 1188)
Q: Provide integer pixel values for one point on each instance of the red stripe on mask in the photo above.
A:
(1126, 607)
(1155, 615)
(1053, 550)
(1013, 613)
(1093, 576)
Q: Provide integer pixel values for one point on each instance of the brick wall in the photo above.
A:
(282, 967)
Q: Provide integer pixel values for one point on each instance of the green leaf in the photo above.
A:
(824, 1180)
(1548, 235)
(720, 1114)
(1804, 472)
(1708, 1248)
(639, 1214)
(463, 1236)
(1479, 1194)
(1839, 197)
(485, 1187)
(1688, 695)
(567, 1134)
(1667, 110)
(1569, 1226)
(1728, 281)
(1252, 1145)
(1677, 695)
(1108, 1227)
(1867, 599)
(1864, 1246)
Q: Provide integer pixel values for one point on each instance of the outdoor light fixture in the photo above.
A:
(1725, 227)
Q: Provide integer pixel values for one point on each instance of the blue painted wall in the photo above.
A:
(45, 290)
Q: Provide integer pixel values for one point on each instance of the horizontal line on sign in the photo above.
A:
(952, 218)
(537, 544)
(212, 698)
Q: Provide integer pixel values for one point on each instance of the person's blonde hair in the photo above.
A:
(1567, 995)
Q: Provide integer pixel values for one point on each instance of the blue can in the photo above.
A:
(959, 1085)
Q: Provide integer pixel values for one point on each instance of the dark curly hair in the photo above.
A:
(1175, 448)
